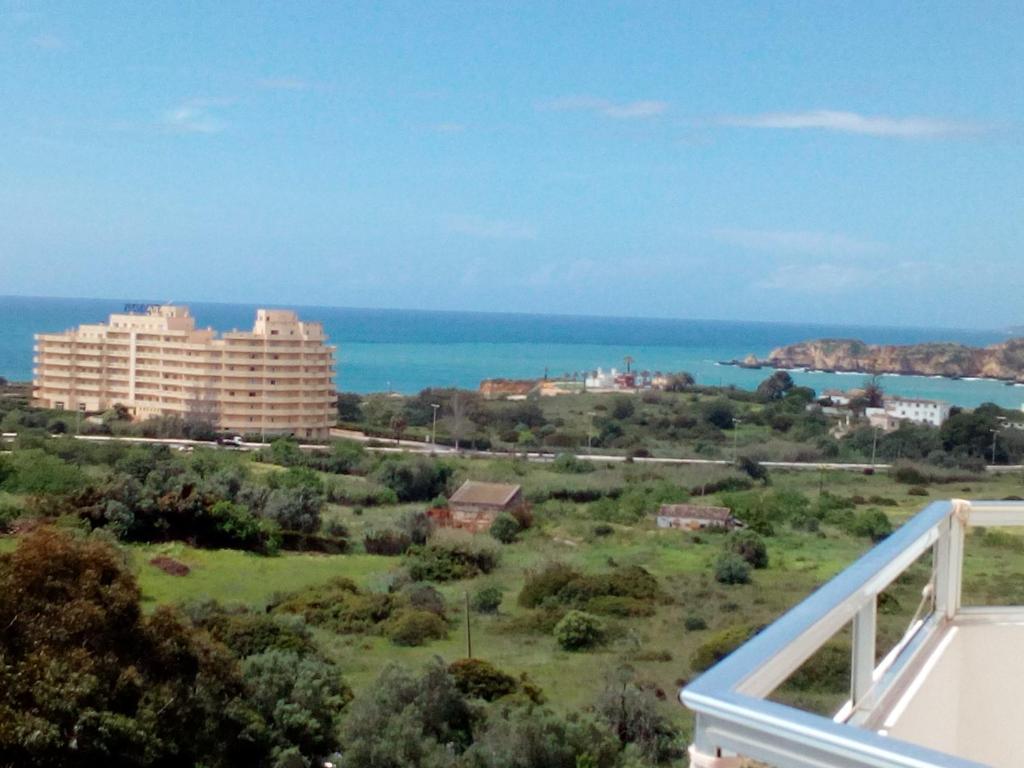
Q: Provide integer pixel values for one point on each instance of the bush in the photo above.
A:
(414, 479)
(451, 559)
(695, 624)
(387, 542)
(603, 529)
(909, 475)
(750, 546)
(623, 607)
(414, 627)
(505, 528)
(917, 490)
(487, 600)
(730, 568)
(719, 645)
(578, 630)
(481, 679)
(570, 464)
(873, 524)
(424, 597)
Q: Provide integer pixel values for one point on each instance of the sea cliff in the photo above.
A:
(1004, 361)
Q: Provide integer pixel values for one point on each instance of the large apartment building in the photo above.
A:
(277, 378)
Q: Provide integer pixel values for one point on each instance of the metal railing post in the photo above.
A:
(949, 562)
(862, 664)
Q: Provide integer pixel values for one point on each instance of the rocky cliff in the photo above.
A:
(1003, 361)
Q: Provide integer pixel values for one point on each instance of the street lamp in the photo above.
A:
(590, 430)
(433, 426)
(735, 439)
(995, 433)
(874, 446)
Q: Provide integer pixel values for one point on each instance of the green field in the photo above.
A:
(658, 647)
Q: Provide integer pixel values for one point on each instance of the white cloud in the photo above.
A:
(195, 116)
(47, 42)
(284, 84)
(832, 278)
(852, 122)
(490, 229)
(628, 110)
(798, 242)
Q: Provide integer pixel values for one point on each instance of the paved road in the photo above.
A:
(414, 446)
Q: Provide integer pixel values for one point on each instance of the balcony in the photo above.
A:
(945, 696)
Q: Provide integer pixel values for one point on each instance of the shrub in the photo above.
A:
(424, 597)
(917, 490)
(387, 542)
(414, 479)
(451, 559)
(487, 600)
(624, 607)
(752, 469)
(570, 464)
(295, 509)
(750, 546)
(415, 627)
(505, 528)
(719, 645)
(417, 526)
(578, 630)
(603, 529)
(909, 475)
(481, 679)
(695, 624)
(730, 568)
(873, 524)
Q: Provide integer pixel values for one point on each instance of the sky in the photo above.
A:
(794, 161)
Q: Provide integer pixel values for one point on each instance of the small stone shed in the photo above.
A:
(475, 505)
(689, 517)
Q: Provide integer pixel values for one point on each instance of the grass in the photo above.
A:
(231, 576)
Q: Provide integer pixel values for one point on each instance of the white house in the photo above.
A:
(933, 412)
(602, 379)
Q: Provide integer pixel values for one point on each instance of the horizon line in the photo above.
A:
(1007, 330)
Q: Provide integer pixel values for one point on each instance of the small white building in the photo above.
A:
(602, 379)
(932, 412)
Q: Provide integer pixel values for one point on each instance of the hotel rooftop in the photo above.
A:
(947, 695)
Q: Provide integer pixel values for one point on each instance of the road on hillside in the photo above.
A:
(415, 446)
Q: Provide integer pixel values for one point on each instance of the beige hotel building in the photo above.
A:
(277, 378)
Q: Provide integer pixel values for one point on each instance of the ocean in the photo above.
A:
(405, 351)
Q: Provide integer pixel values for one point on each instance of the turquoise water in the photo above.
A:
(405, 351)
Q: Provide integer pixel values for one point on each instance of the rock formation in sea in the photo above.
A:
(1004, 361)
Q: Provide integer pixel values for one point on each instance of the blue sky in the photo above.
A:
(857, 162)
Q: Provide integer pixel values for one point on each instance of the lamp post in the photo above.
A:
(1000, 421)
(433, 425)
(590, 431)
(874, 446)
(735, 439)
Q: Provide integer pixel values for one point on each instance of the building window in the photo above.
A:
(59, 405)
(252, 394)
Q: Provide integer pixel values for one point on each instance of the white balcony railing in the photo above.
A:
(734, 719)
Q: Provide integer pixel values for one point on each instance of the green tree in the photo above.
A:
(300, 698)
(86, 679)
(505, 528)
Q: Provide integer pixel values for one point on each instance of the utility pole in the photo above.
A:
(735, 439)
(994, 433)
(433, 426)
(874, 446)
(469, 635)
